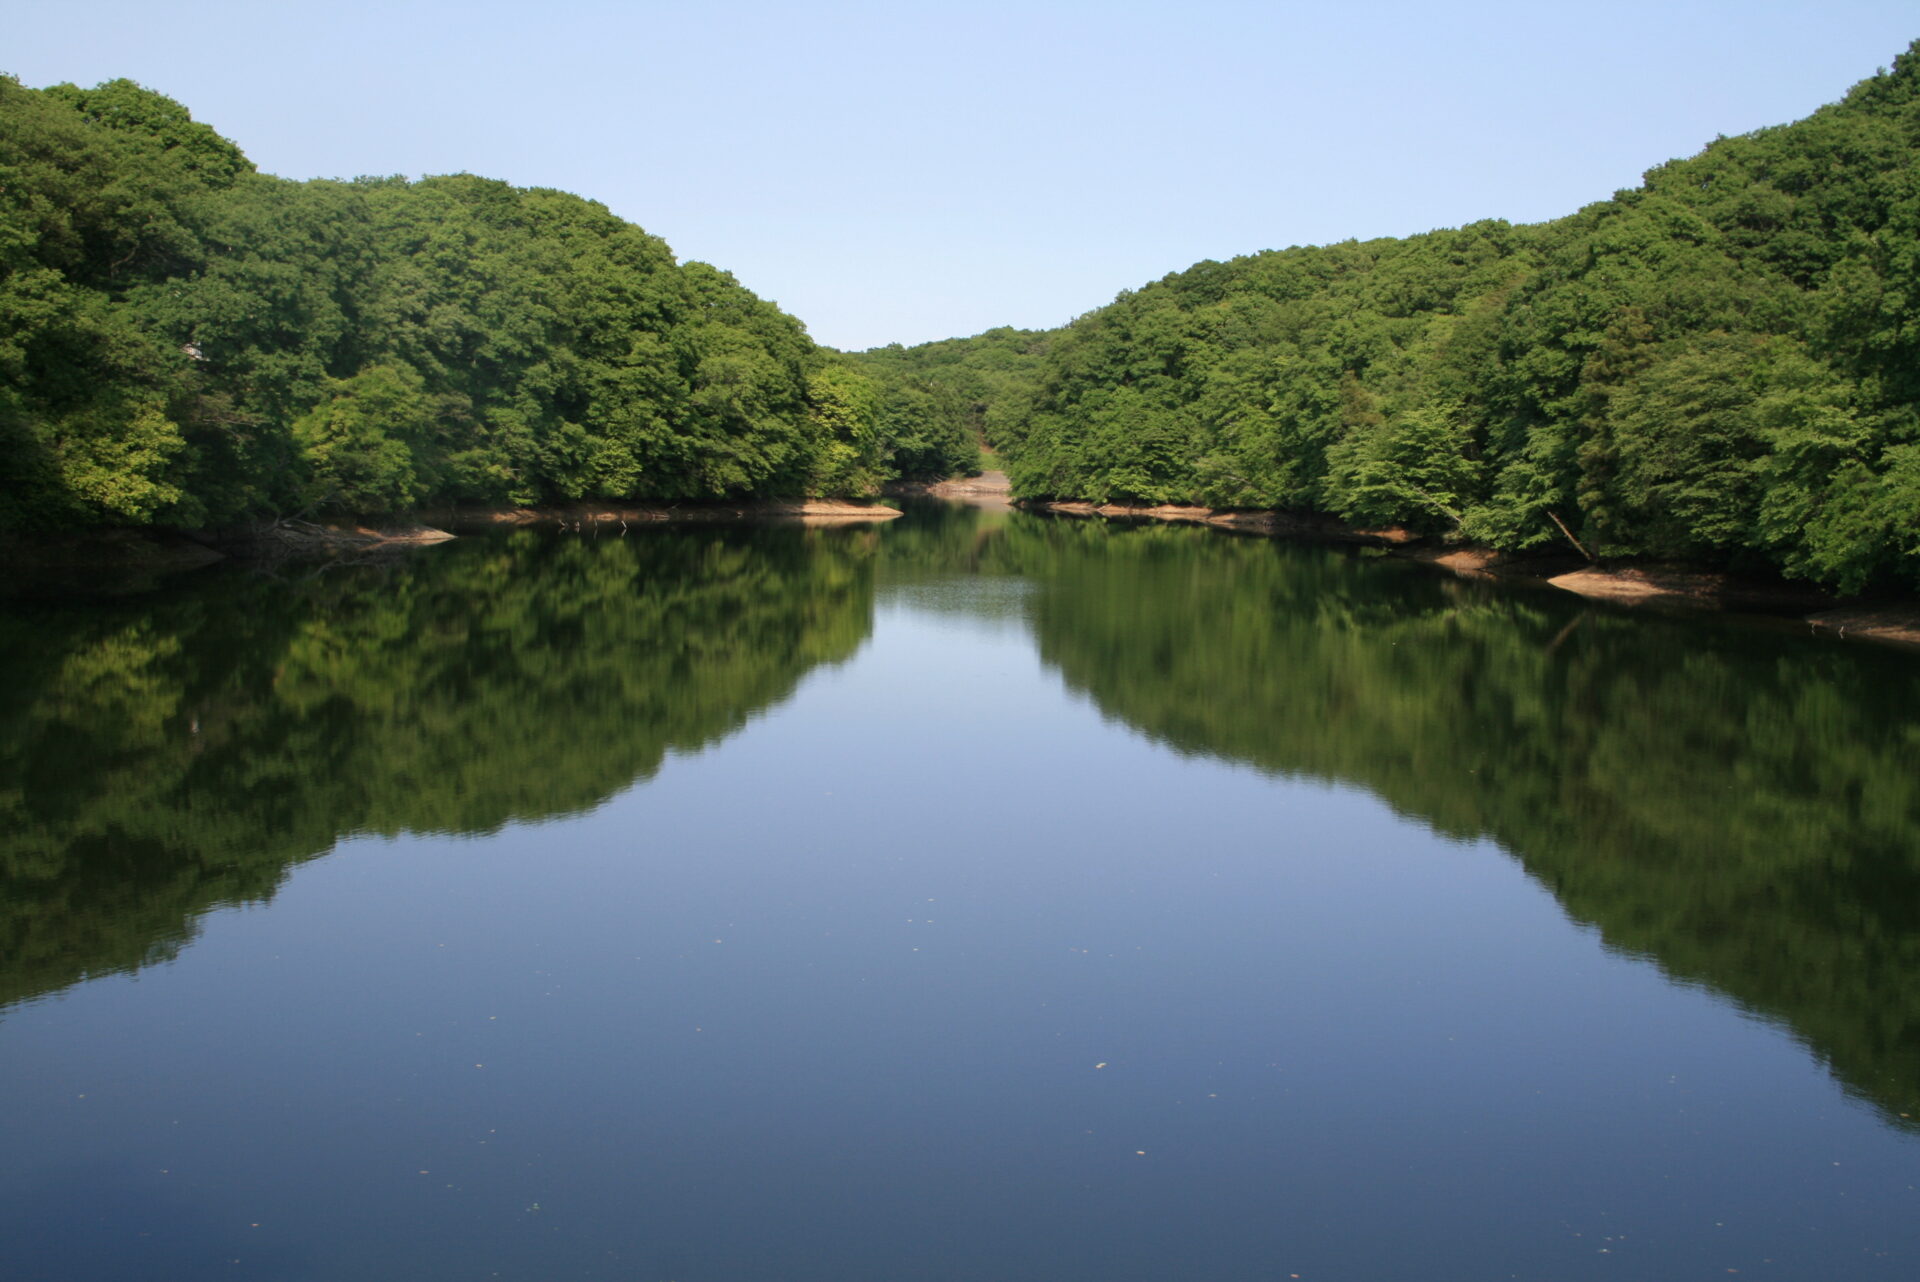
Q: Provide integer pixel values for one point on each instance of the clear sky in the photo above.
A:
(904, 172)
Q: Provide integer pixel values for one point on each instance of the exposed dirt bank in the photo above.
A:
(808, 511)
(989, 489)
(1895, 623)
(1626, 583)
(281, 538)
(161, 551)
(1676, 584)
(169, 550)
(1299, 525)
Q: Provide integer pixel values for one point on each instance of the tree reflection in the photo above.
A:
(1739, 806)
(169, 755)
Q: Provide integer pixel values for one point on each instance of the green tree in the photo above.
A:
(1412, 467)
(358, 444)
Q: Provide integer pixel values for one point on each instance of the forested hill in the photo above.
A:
(1721, 365)
(940, 400)
(187, 342)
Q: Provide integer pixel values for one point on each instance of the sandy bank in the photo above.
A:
(808, 511)
(1897, 624)
(989, 489)
(294, 536)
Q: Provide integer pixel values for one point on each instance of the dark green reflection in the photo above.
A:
(161, 757)
(1741, 807)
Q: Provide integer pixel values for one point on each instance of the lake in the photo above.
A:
(977, 896)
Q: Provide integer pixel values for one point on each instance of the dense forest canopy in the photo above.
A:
(945, 398)
(1720, 365)
(187, 342)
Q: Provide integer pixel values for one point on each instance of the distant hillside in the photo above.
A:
(944, 399)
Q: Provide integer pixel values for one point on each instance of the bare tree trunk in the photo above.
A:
(1569, 533)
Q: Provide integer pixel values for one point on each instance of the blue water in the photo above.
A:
(938, 967)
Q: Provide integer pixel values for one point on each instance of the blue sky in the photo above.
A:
(907, 172)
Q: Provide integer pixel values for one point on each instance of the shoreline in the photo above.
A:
(990, 490)
(146, 552)
(1618, 582)
(804, 511)
(154, 549)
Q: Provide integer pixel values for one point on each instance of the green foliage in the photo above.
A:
(119, 469)
(355, 445)
(923, 428)
(1684, 450)
(363, 345)
(945, 400)
(843, 419)
(124, 106)
(1722, 364)
(1412, 467)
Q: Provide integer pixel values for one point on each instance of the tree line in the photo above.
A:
(187, 342)
(1721, 365)
(944, 399)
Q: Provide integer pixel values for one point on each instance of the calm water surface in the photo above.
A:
(979, 897)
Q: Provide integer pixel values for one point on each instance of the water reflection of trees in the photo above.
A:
(174, 753)
(1740, 807)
